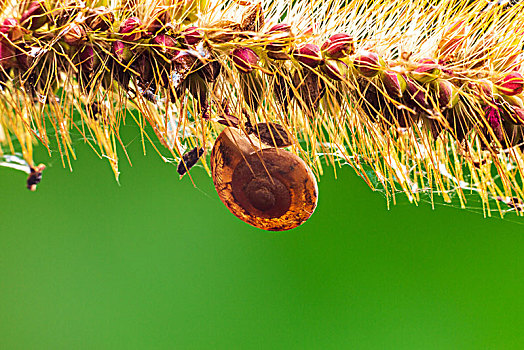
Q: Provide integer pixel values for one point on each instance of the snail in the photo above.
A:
(266, 187)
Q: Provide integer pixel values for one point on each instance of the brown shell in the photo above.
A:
(269, 188)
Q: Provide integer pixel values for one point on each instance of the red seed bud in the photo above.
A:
(74, 34)
(122, 51)
(245, 59)
(192, 36)
(417, 93)
(165, 44)
(35, 16)
(281, 27)
(447, 93)
(368, 64)
(338, 46)
(428, 70)
(282, 36)
(131, 28)
(511, 84)
(394, 83)
(308, 55)
(495, 121)
(87, 58)
(334, 69)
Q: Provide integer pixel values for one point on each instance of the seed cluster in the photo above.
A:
(440, 119)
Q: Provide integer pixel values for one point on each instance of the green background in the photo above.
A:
(158, 264)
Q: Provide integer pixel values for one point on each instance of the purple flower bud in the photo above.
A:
(99, 18)
(87, 58)
(74, 34)
(368, 64)
(394, 83)
(131, 28)
(165, 44)
(511, 84)
(192, 36)
(35, 16)
(334, 69)
(485, 89)
(7, 55)
(338, 46)
(428, 70)
(122, 51)
(245, 59)
(308, 55)
(447, 93)
(417, 93)
(283, 36)
(495, 121)
(281, 27)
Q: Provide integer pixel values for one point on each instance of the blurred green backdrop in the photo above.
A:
(158, 264)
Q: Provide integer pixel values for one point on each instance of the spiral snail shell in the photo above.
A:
(269, 188)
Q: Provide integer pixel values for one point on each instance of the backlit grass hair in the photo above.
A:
(423, 97)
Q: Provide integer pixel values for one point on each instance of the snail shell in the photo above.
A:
(268, 188)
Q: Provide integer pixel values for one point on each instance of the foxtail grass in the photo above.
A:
(421, 98)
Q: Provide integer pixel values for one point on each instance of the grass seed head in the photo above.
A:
(245, 59)
(309, 55)
(368, 64)
(338, 46)
(432, 91)
(512, 84)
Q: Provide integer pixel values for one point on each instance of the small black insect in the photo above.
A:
(35, 176)
(189, 159)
